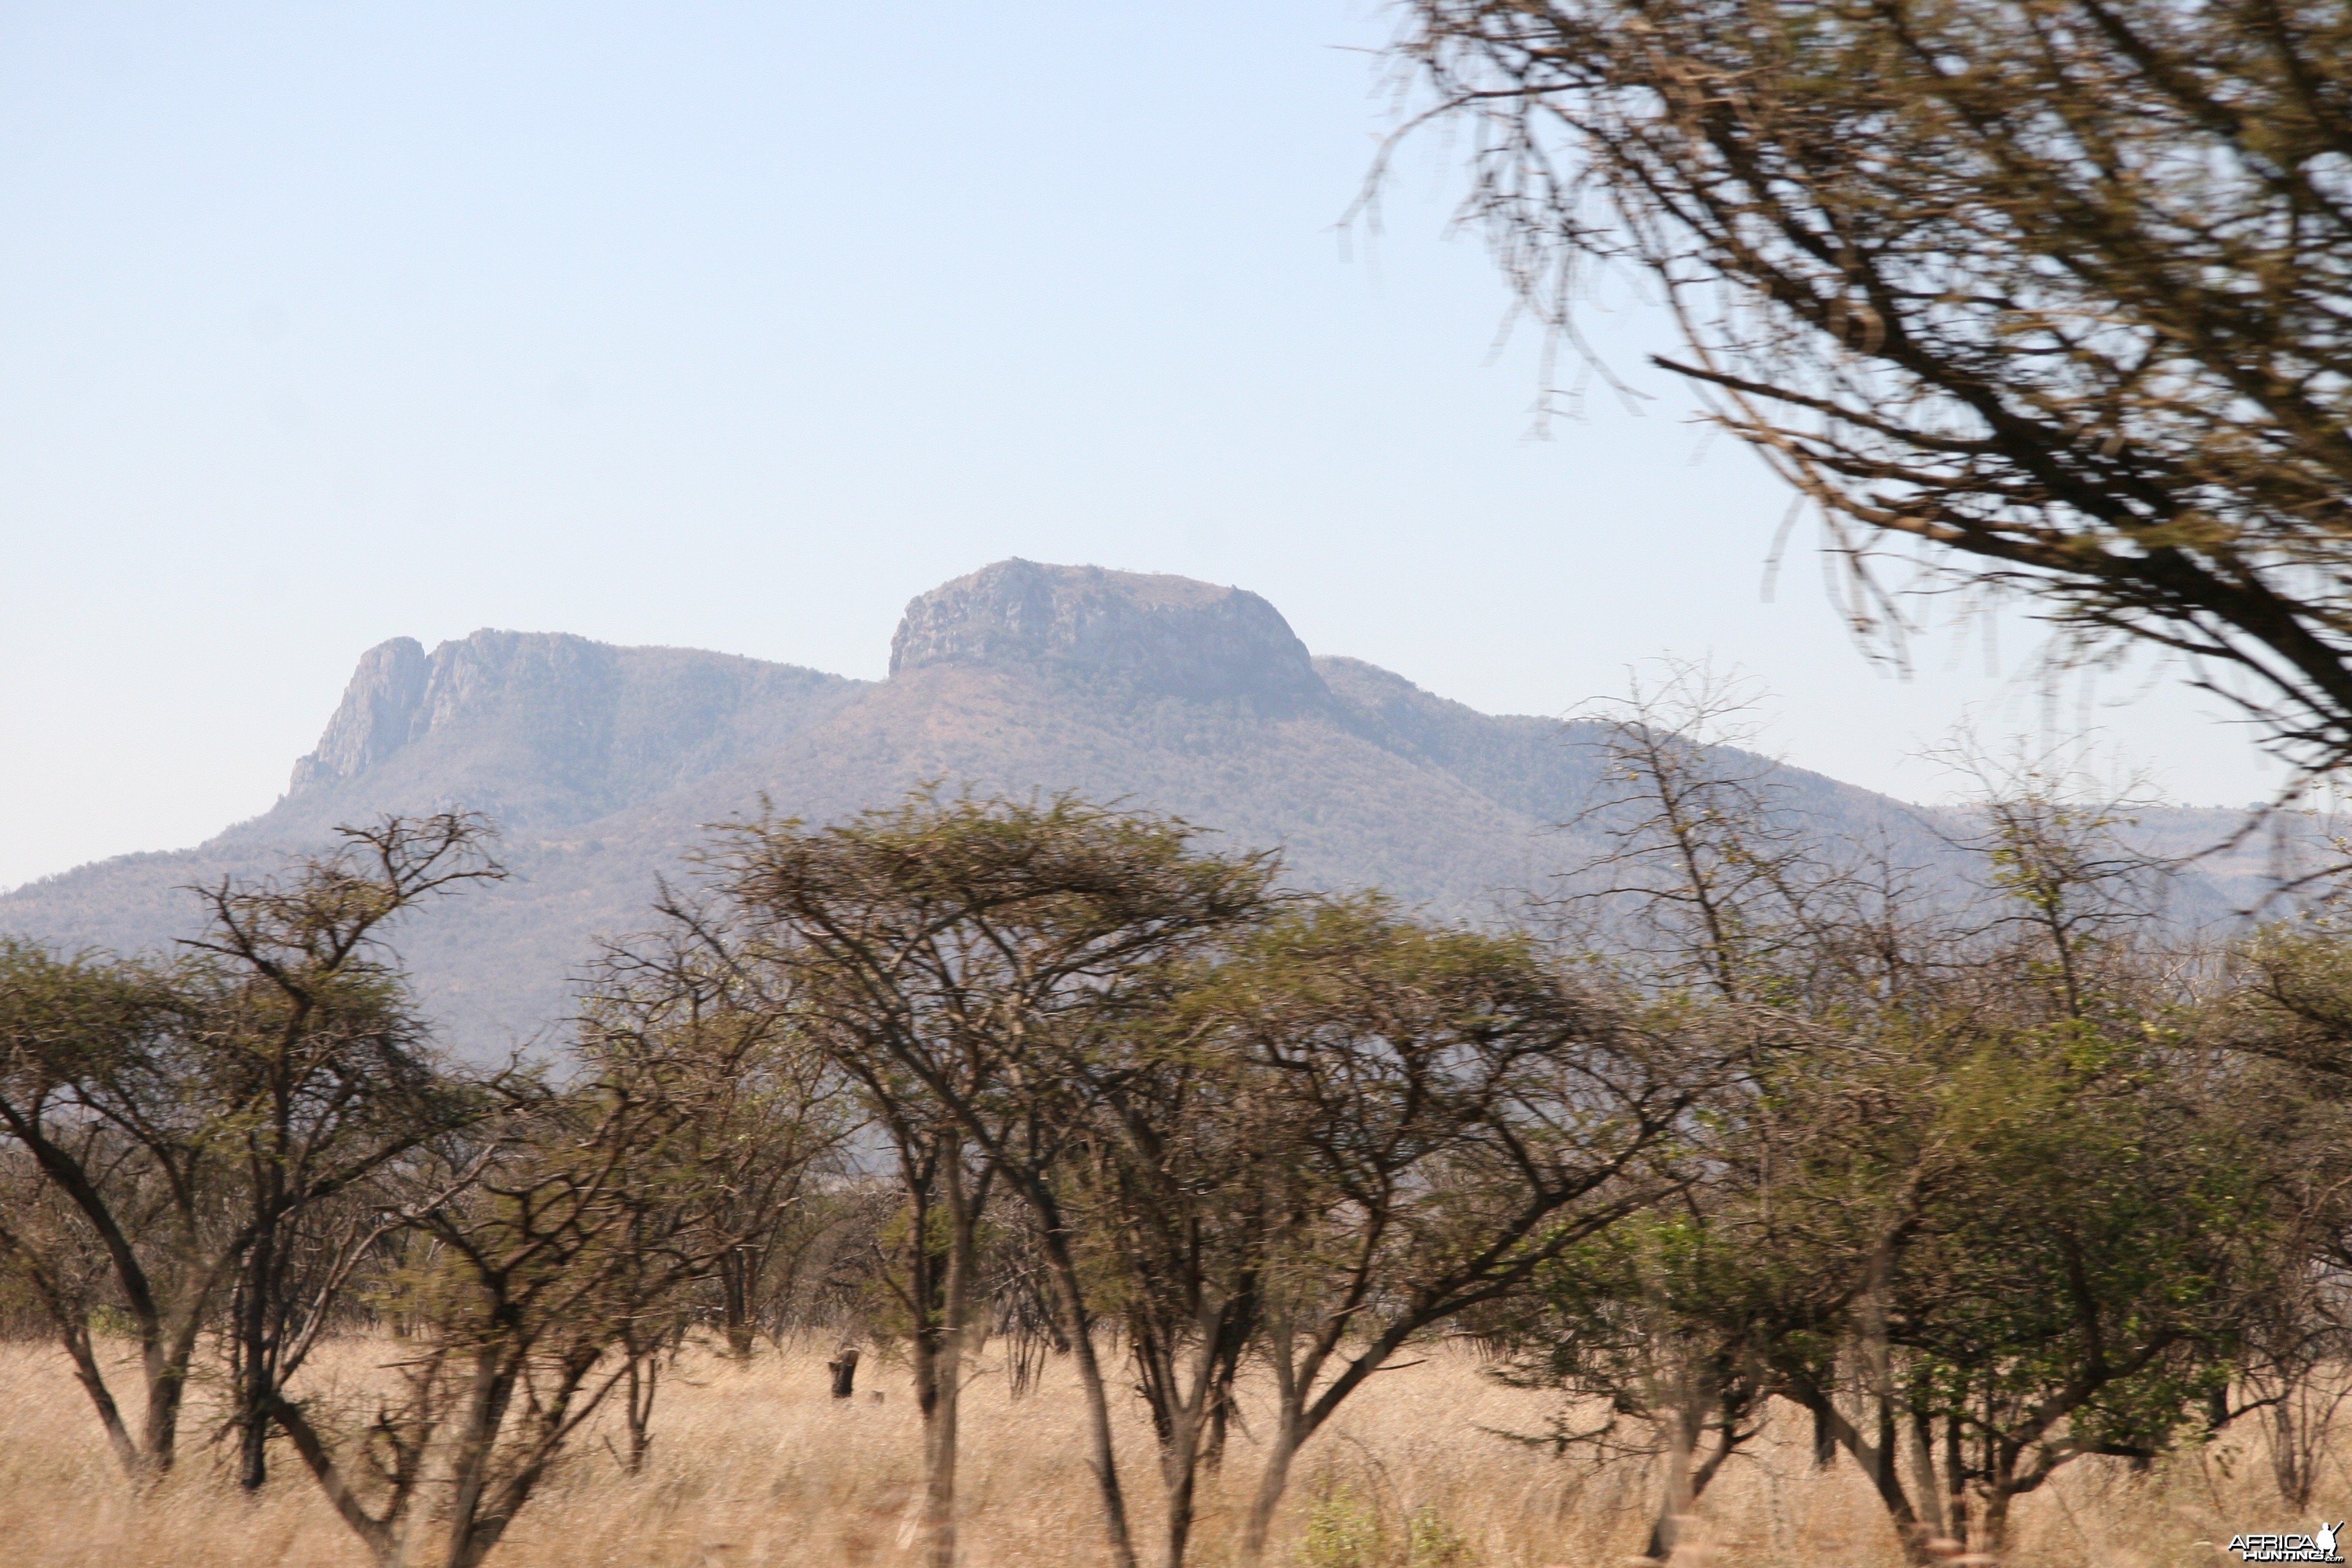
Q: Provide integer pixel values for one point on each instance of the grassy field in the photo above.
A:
(755, 1465)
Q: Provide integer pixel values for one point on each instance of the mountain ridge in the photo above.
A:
(603, 764)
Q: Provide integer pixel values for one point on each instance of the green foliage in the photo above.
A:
(1348, 1527)
(1432, 1542)
(1344, 1529)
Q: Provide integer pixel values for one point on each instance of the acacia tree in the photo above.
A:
(189, 1114)
(1711, 883)
(2077, 1288)
(1459, 1114)
(531, 1250)
(1660, 1331)
(2284, 1021)
(1968, 1199)
(927, 1254)
(1180, 1193)
(315, 1072)
(543, 1250)
(968, 962)
(115, 1183)
(2052, 289)
(1716, 906)
(768, 1117)
(2047, 1234)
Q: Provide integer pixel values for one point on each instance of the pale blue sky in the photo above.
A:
(735, 326)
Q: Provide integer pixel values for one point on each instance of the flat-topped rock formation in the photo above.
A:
(605, 765)
(1170, 637)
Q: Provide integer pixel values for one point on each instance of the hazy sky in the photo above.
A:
(736, 326)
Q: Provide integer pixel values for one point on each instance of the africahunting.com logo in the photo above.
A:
(2317, 1547)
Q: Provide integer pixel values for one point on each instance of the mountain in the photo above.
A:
(605, 766)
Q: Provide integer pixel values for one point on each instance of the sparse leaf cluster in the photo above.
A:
(2053, 290)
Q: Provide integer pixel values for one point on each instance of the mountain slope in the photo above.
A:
(605, 766)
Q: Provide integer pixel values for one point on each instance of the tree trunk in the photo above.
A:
(844, 1367)
(1272, 1483)
(940, 1465)
(1188, 1415)
(1180, 1489)
(384, 1541)
(737, 1267)
(1956, 1478)
(1180, 1461)
(1995, 1528)
(1877, 1462)
(166, 1368)
(1923, 1470)
(486, 1401)
(943, 1387)
(1886, 1478)
(2289, 1466)
(1104, 1455)
(1681, 1500)
(643, 1383)
(257, 1396)
(1221, 1412)
(1675, 1506)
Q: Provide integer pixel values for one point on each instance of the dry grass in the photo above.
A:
(755, 1465)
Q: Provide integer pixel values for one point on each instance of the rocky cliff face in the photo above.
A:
(377, 717)
(543, 728)
(1163, 636)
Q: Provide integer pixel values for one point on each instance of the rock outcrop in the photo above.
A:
(377, 717)
(1164, 636)
(545, 729)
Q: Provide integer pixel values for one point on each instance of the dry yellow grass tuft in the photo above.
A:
(755, 1465)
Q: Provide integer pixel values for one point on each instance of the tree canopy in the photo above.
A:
(2055, 289)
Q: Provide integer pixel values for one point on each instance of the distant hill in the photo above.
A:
(603, 764)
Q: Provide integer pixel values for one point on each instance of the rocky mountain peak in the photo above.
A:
(375, 717)
(543, 728)
(1151, 632)
(400, 693)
